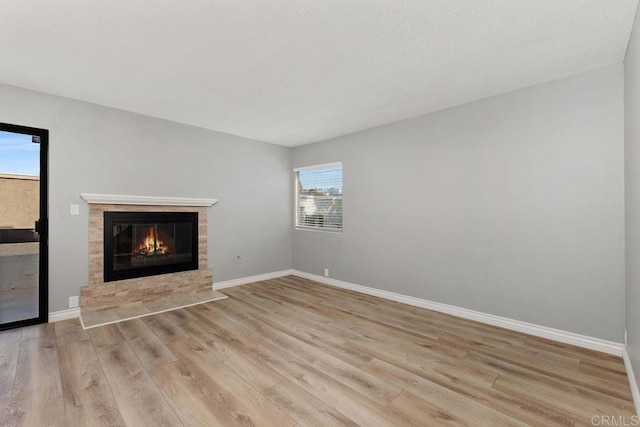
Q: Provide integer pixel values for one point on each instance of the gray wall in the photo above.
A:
(513, 205)
(632, 194)
(101, 150)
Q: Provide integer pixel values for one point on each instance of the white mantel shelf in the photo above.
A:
(119, 199)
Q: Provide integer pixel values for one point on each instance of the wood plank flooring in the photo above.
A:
(291, 352)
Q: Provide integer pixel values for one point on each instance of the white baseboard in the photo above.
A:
(597, 344)
(632, 380)
(250, 279)
(56, 316)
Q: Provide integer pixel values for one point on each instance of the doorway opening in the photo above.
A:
(23, 226)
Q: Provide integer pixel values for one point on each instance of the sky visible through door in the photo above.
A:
(18, 154)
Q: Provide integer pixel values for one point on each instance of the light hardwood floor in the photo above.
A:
(288, 352)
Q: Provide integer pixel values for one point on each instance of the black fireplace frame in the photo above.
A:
(113, 218)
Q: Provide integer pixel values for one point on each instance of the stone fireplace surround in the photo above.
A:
(107, 302)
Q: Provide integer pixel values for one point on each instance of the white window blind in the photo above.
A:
(319, 197)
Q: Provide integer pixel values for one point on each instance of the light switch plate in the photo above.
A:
(75, 210)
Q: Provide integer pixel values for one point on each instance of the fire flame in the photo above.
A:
(150, 245)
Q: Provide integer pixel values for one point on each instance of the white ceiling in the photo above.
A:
(294, 72)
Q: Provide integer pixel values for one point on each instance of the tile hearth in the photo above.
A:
(99, 315)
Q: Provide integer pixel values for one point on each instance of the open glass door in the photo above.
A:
(23, 226)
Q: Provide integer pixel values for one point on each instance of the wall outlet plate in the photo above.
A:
(73, 301)
(75, 209)
(326, 272)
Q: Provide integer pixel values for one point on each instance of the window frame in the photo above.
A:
(295, 200)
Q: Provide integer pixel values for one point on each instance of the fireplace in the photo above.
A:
(138, 244)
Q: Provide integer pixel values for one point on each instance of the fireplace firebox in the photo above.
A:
(138, 244)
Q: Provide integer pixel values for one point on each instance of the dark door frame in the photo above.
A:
(43, 280)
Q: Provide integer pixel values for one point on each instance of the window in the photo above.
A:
(319, 197)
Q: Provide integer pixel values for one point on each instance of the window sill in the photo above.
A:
(319, 230)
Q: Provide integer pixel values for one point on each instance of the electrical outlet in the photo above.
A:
(625, 337)
(75, 210)
(73, 301)
(326, 272)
